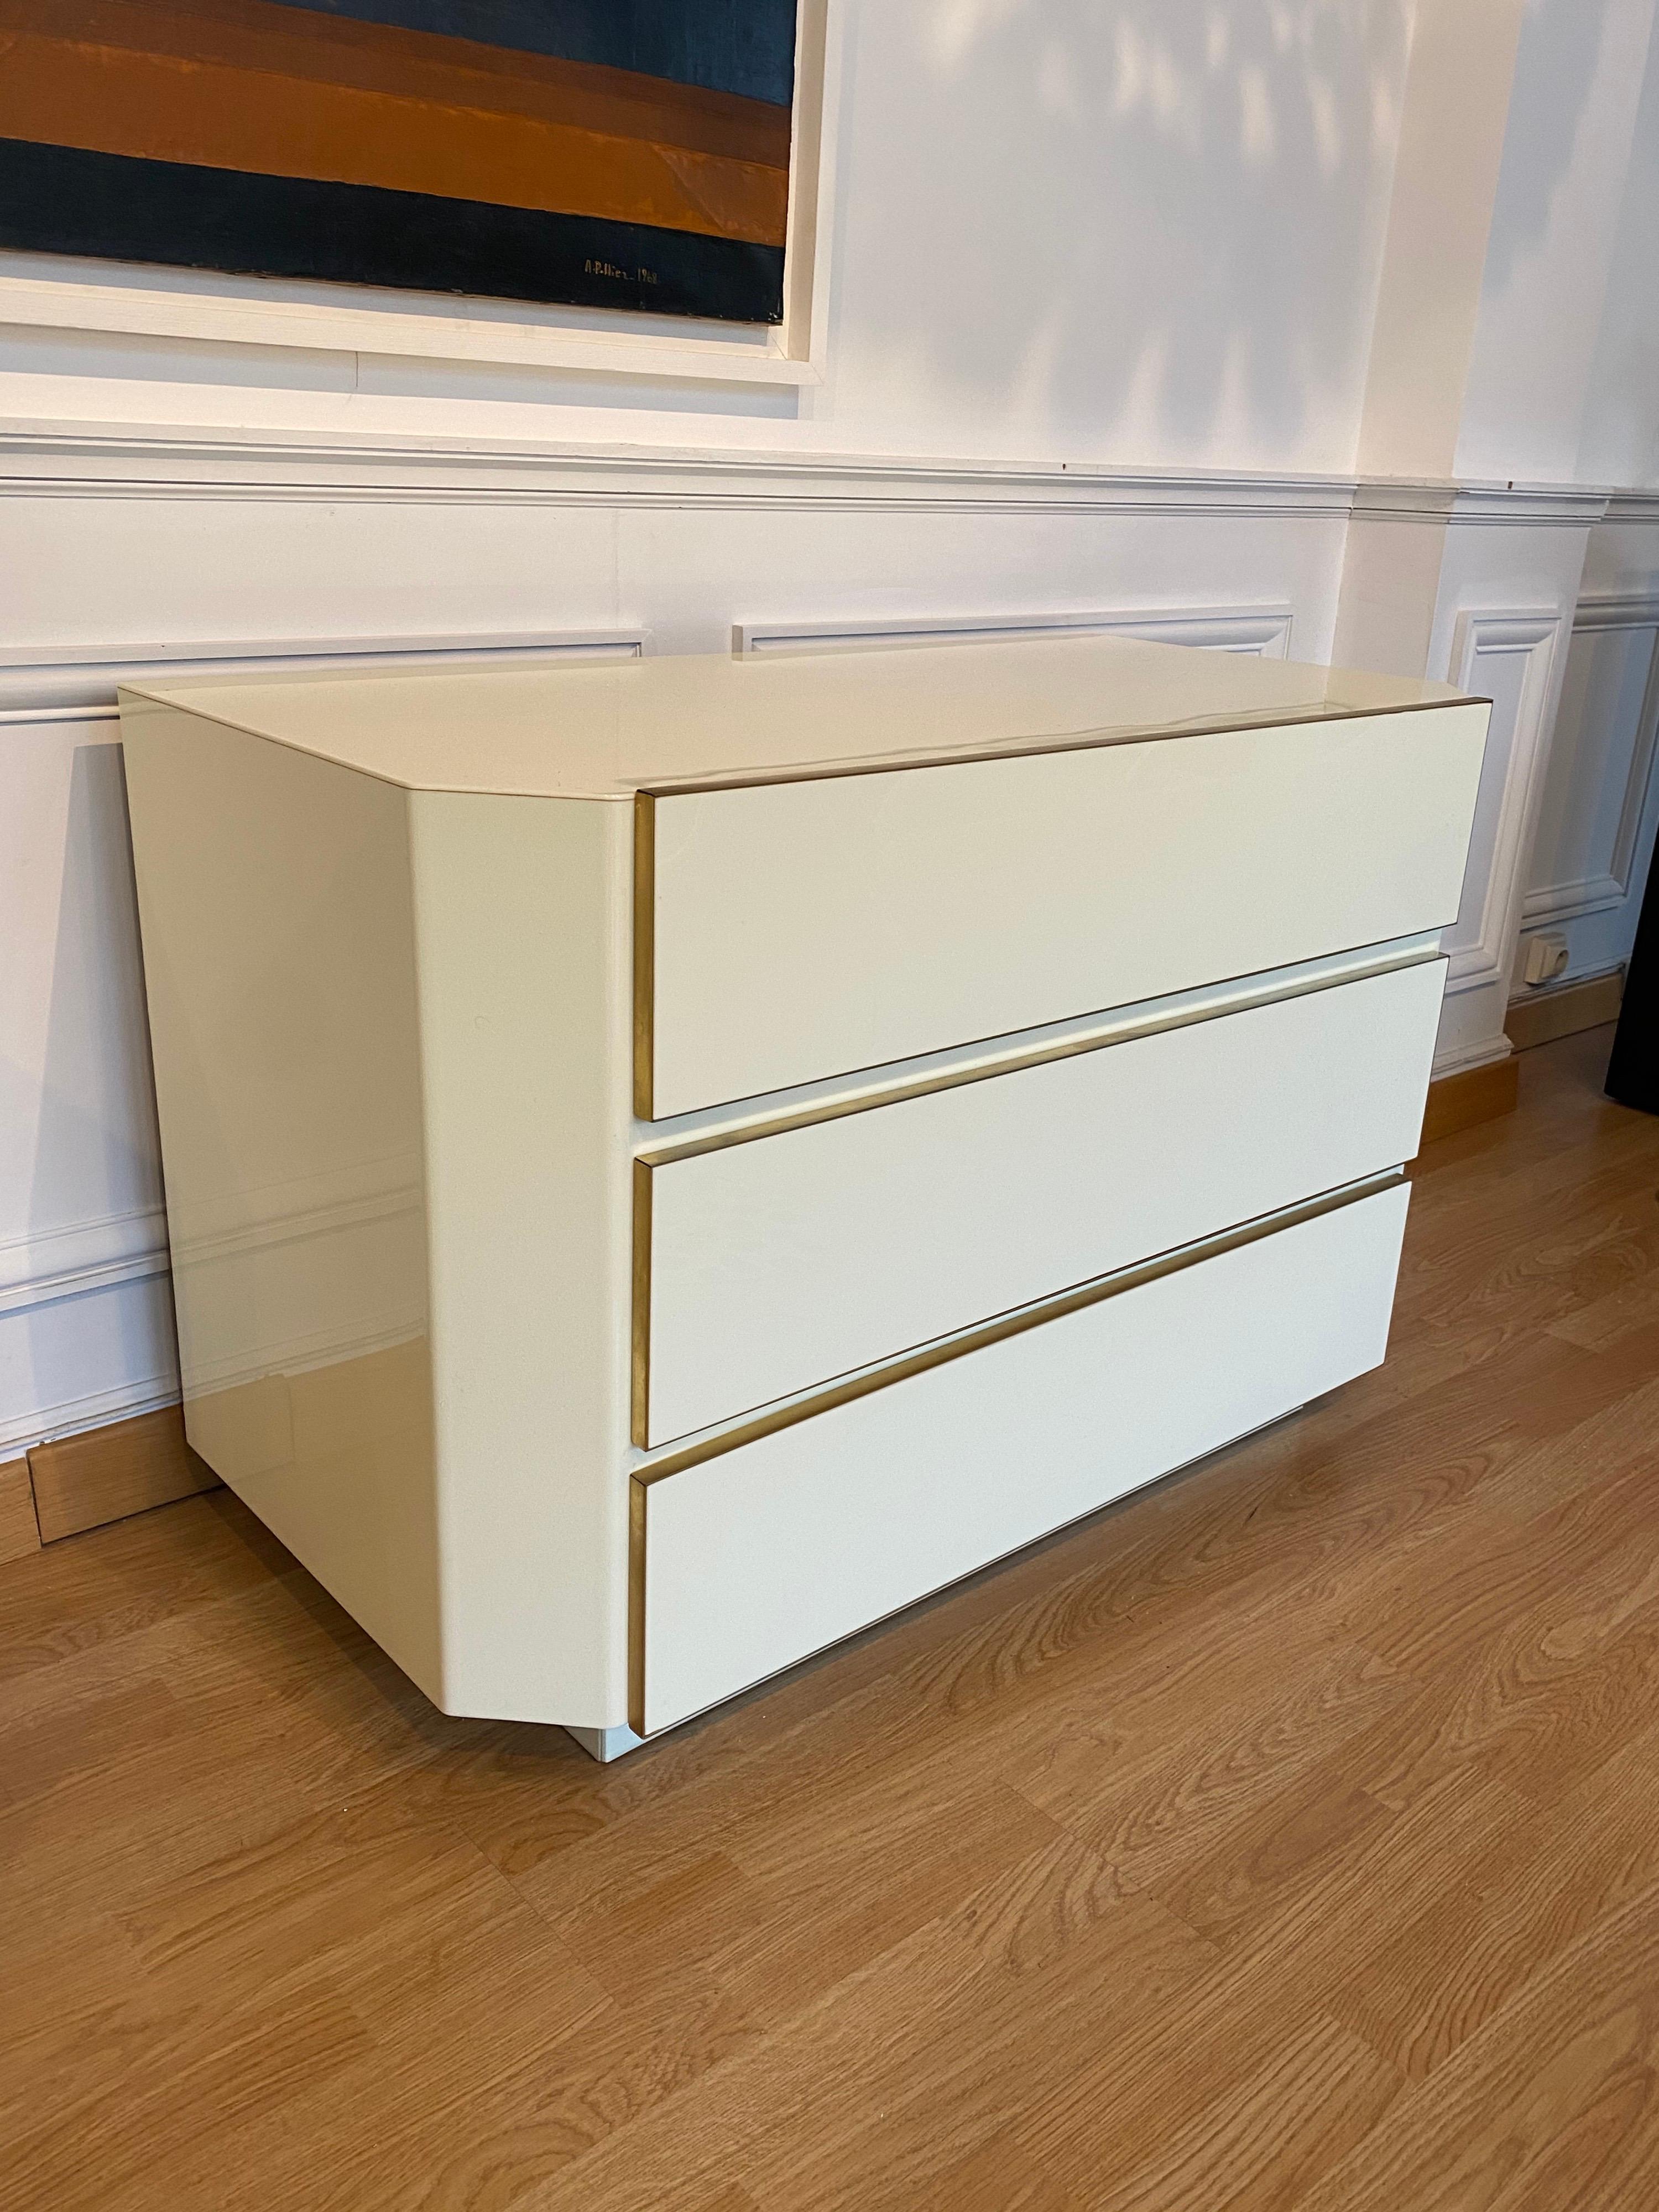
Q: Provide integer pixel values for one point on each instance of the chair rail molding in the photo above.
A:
(83, 1256)
(1550, 903)
(1444, 500)
(1486, 958)
(44, 458)
(1264, 631)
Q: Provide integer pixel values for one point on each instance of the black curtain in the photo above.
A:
(1633, 1071)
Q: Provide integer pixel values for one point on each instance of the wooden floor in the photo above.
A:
(1286, 1836)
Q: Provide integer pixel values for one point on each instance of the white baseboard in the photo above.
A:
(94, 1411)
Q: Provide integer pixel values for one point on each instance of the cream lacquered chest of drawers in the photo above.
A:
(669, 1162)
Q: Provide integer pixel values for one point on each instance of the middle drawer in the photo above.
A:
(774, 1264)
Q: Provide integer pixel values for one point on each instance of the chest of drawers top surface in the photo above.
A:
(588, 730)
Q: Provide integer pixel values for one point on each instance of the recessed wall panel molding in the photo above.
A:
(1263, 631)
(1507, 655)
(56, 676)
(1595, 793)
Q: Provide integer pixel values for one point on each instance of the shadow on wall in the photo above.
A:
(1150, 227)
(1555, 73)
(96, 1145)
(85, 1326)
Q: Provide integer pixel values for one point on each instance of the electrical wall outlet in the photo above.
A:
(1547, 958)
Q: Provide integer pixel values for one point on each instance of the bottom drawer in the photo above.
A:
(752, 1559)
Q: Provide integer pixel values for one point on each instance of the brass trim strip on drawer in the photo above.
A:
(1082, 741)
(637, 1607)
(1016, 1062)
(640, 1395)
(644, 954)
(1015, 1324)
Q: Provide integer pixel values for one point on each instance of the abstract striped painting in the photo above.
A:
(607, 153)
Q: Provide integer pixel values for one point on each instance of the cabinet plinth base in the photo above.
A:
(605, 1744)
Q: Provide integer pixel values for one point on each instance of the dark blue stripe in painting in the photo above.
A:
(61, 199)
(746, 46)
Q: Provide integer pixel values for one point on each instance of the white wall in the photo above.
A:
(1583, 242)
(1078, 250)
(1620, 442)
(1536, 375)
(1139, 231)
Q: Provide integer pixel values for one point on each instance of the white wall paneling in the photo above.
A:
(85, 1324)
(1265, 631)
(32, 678)
(1596, 826)
(1508, 656)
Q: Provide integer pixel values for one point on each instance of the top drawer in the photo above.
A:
(787, 931)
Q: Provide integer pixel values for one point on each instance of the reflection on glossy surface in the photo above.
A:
(288, 1084)
(607, 729)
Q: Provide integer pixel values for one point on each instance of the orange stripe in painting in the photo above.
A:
(217, 114)
(298, 43)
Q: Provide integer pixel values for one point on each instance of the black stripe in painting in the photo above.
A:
(62, 199)
(746, 46)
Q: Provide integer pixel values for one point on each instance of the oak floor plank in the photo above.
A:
(1159, 1802)
(1490, 1925)
(776, 1928)
(996, 2176)
(924, 2047)
(1257, 2148)
(102, 1586)
(1554, 2102)
(20, 1531)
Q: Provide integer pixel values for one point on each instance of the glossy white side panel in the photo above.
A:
(806, 929)
(522, 911)
(279, 961)
(780, 1263)
(390, 1041)
(770, 1551)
